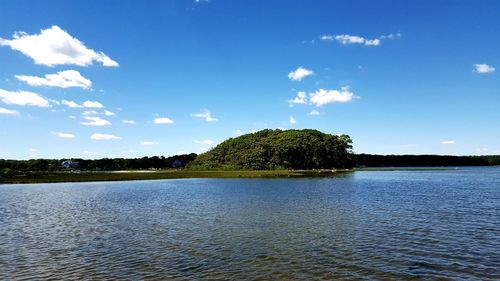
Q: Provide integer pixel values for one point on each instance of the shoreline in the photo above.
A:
(164, 174)
(131, 175)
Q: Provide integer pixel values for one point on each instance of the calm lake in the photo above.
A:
(428, 224)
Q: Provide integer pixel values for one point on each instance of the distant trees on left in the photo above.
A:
(9, 167)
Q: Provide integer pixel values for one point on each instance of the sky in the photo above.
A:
(94, 79)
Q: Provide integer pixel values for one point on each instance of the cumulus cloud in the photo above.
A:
(63, 135)
(163, 120)
(54, 46)
(23, 98)
(130, 122)
(109, 113)
(205, 113)
(149, 143)
(71, 104)
(61, 79)
(89, 112)
(301, 98)
(104, 137)
(95, 121)
(292, 120)
(322, 96)
(86, 104)
(483, 68)
(299, 73)
(205, 142)
(354, 39)
(6, 111)
(92, 104)
(314, 112)
(448, 142)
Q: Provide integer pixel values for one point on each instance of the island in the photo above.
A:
(266, 153)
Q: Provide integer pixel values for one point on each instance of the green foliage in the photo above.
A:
(278, 149)
(37, 166)
(369, 160)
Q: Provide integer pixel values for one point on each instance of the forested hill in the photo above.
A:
(278, 149)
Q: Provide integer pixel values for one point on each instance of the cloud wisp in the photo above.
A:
(483, 68)
(346, 39)
(23, 98)
(54, 46)
(205, 114)
(163, 120)
(63, 135)
(299, 74)
(104, 137)
(6, 111)
(322, 97)
(85, 104)
(95, 121)
(61, 79)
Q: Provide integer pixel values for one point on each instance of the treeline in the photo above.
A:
(370, 160)
(278, 149)
(8, 167)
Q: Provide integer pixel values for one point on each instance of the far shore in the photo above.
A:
(127, 175)
(162, 174)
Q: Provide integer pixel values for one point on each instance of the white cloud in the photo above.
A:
(149, 143)
(109, 113)
(163, 120)
(54, 46)
(23, 98)
(130, 122)
(322, 96)
(301, 98)
(71, 104)
(314, 112)
(72, 117)
(205, 113)
(87, 104)
(448, 142)
(8, 111)
(206, 142)
(350, 39)
(353, 39)
(92, 104)
(89, 112)
(62, 79)
(483, 68)
(63, 135)
(95, 121)
(292, 120)
(93, 153)
(299, 73)
(104, 137)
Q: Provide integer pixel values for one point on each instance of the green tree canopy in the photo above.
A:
(279, 149)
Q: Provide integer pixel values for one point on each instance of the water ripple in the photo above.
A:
(422, 225)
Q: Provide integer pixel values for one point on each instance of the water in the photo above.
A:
(369, 225)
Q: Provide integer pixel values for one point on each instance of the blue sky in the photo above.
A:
(99, 79)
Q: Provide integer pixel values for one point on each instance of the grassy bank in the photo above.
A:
(163, 174)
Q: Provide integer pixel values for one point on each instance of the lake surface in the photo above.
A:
(429, 225)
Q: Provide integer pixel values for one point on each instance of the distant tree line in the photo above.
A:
(8, 167)
(263, 150)
(370, 160)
